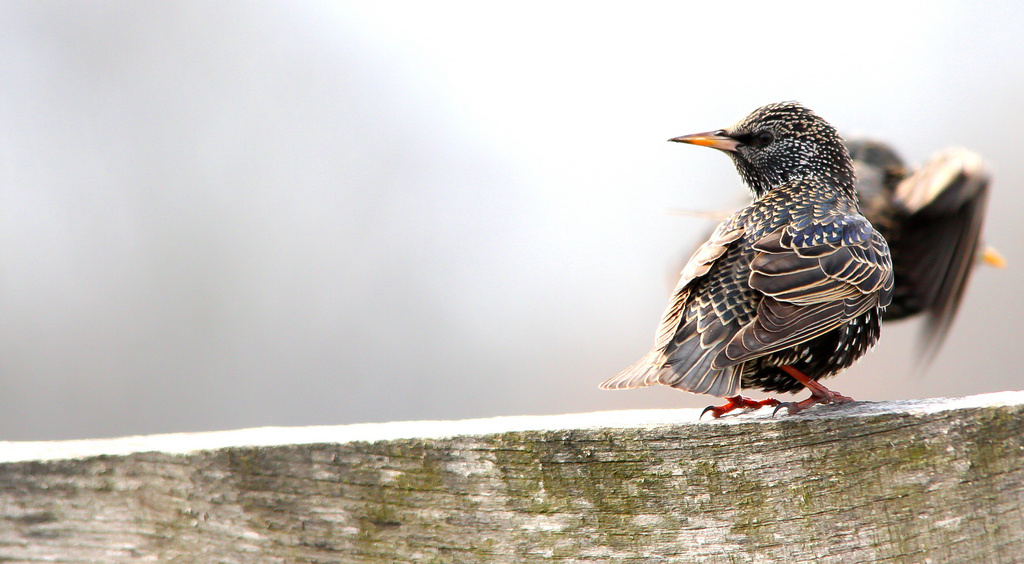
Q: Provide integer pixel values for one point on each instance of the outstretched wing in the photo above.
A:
(940, 211)
(815, 277)
(675, 325)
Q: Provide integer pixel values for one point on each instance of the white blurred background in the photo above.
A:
(221, 215)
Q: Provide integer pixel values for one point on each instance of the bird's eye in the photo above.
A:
(763, 138)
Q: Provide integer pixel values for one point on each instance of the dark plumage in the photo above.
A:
(932, 220)
(786, 291)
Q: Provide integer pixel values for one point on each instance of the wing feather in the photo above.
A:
(697, 266)
(688, 341)
(810, 290)
(943, 209)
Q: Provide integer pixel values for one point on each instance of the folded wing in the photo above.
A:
(814, 278)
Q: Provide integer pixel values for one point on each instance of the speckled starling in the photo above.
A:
(932, 220)
(789, 289)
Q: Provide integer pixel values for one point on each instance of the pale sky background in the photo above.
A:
(229, 215)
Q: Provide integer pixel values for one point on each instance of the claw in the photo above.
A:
(790, 407)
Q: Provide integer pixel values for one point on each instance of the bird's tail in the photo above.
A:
(643, 373)
(688, 373)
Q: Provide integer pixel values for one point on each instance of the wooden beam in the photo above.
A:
(910, 481)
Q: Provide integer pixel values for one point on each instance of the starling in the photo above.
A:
(787, 290)
(932, 220)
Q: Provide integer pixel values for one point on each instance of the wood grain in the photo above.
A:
(920, 481)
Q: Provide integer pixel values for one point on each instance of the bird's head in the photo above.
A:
(778, 143)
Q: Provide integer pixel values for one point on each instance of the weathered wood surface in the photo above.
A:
(920, 481)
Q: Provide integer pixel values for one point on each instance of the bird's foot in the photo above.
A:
(738, 402)
(823, 396)
(819, 394)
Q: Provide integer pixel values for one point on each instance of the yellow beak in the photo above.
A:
(714, 139)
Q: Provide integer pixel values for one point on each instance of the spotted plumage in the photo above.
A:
(787, 290)
(931, 218)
